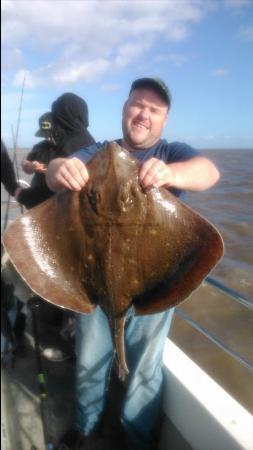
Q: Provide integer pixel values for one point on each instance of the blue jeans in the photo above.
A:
(144, 341)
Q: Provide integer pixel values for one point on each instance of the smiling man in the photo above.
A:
(145, 114)
(177, 167)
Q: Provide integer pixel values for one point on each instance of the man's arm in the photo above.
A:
(196, 174)
(70, 173)
(8, 176)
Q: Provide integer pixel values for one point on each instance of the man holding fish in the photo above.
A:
(177, 167)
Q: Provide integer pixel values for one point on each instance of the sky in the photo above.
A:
(202, 49)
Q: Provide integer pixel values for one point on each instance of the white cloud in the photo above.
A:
(81, 72)
(60, 73)
(26, 77)
(249, 137)
(219, 73)
(209, 137)
(11, 57)
(128, 53)
(87, 39)
(246, 33)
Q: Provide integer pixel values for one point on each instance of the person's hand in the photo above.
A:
(33, 166)
(38, 167)
(69, 173)
(155, 173)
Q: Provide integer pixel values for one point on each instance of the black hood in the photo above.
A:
(70, 112)
(70, 122)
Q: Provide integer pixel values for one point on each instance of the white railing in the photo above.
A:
(234, 295)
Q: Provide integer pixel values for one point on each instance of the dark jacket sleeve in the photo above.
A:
(8, 177)
(33, 196)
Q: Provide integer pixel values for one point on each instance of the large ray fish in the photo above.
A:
(113, 245)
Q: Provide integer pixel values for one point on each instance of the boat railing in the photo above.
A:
(10, 199)
(24, 183)
(235, 296)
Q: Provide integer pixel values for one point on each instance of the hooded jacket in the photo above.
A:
(70, 123)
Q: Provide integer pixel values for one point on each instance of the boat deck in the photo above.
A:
(193, 401)
(22, 408)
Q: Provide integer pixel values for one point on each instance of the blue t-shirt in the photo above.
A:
(163, 150)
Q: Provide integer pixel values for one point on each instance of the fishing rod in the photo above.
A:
(14, 159)
(15, 136)
(34, 304)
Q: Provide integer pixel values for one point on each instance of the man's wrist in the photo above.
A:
(172, 177)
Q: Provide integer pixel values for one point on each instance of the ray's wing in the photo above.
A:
(47, 246)
(177, 250)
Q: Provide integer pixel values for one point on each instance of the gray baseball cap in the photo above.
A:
(156, 84)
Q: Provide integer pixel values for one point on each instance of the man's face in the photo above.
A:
(144, 117)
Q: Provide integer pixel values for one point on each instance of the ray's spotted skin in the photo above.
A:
(114, 245)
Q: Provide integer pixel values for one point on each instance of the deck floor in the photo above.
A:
(22, 409)
(21, 404)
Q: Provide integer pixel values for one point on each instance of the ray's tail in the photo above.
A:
(118, 336)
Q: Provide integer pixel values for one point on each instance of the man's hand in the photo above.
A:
(70, 173)
(155, 172)
(39, 167)
(195, 174)
(33, 166)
